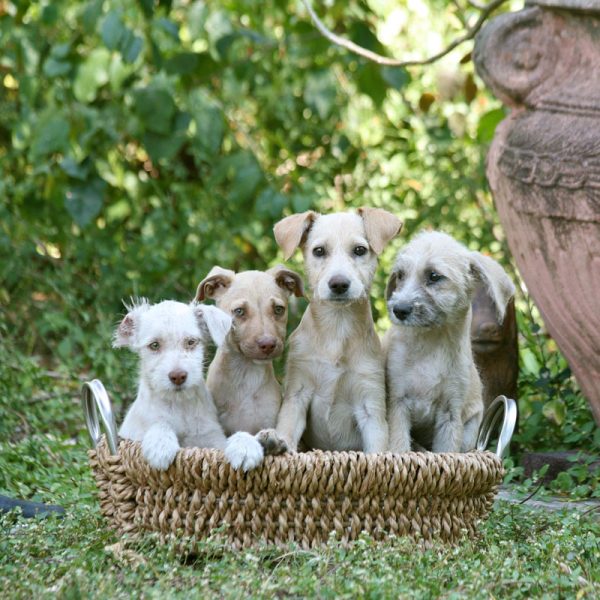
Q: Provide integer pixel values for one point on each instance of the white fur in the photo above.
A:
(244, 450)
(170, 337)
(433, 386)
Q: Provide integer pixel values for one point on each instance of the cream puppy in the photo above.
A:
(335, 381)
(173, 408)
(434, 388)
(241, 378)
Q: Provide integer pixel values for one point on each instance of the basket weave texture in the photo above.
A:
(300, 498)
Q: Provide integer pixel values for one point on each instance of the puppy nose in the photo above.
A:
(402, 311)
(266, 343)
(339, 284)
(178, 376)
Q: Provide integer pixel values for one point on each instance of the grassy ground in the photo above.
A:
(520, 553)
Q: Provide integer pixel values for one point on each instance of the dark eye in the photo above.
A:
(399, 275)
(360, 250)
(279, 310)
(433, 277)
(191, 343)
(239, 312)
(154, 346)
(319, 251)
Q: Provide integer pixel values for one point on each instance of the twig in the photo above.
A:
(394, 62)
(537, 489)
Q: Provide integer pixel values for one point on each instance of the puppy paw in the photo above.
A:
(160, 455)
(243, 450)
(271, 442)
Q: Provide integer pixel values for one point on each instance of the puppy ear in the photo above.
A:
(499, 286)
(391, 285)
(213, 321)
(124, 335)
(215, 284)
(380, 226)
(288, 280)
(291, 232)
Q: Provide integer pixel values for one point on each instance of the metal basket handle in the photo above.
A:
(94, 401)
(500, 406)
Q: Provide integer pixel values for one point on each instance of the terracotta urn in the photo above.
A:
(544, 166)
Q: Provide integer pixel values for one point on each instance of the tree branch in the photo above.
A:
(394, 62)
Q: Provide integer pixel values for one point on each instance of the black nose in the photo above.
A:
(178, 376)
(339, 285)
(402, 311)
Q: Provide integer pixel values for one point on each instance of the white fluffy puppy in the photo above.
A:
(434, 390)
(173, 408)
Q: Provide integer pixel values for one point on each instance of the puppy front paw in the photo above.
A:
(243, 450)
(159, 454)
(271, 442)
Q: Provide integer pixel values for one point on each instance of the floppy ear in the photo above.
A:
(380, 226)
(291, 232)
(213, 321)
(215, 284)
(124, 335)
(391, 285)
(499, 286)
(288, 280)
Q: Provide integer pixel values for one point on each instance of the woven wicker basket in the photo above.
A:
(302, 498)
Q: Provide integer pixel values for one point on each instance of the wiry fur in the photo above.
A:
(433, 386)
(241, 378)
(170, 338)
(335, 381)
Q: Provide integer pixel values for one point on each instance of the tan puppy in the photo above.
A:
(335, 381)
(241, 377)
(434, 388)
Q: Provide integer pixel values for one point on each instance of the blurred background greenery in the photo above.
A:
(143, 142)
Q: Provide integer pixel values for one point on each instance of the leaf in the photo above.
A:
(112, 30)
(555, 411)
(395, 77)
(155, 108)
(166, 146)
(74, 169)
(147, 7)
(270, 203)
(92, 75)
(371, 83)
(84, 201)
(183, 63)
(51, 134)
(246, 173)
(210, 124)
(488, 123)
(131, 46)
(56, 68)
(301, 202)
(530, 362)
(320, 92)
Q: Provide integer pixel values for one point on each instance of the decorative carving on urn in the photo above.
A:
(544, 165)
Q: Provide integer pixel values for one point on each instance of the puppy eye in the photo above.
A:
(154, 346)
(191, 343)
(239, 312)
(399, 275)
(279, 310)
(360, 250)
(433, 277)
(318, 251)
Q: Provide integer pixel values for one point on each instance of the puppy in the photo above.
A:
(241, 378)
(173, 408)
(335, 381)
(433, 386)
